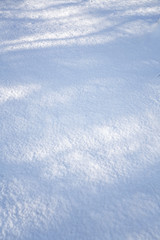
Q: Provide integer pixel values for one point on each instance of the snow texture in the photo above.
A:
(79, 120)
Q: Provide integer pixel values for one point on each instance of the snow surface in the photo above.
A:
(79, 120)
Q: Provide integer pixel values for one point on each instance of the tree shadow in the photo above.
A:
(92, 29)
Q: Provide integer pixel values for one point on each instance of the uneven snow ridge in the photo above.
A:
(79, 120)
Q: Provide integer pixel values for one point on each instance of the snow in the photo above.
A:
(79, 120)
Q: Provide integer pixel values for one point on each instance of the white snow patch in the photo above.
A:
(16, 92)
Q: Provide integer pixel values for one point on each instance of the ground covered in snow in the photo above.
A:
(79, 120)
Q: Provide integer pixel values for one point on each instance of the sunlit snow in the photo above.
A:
(80, 120)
